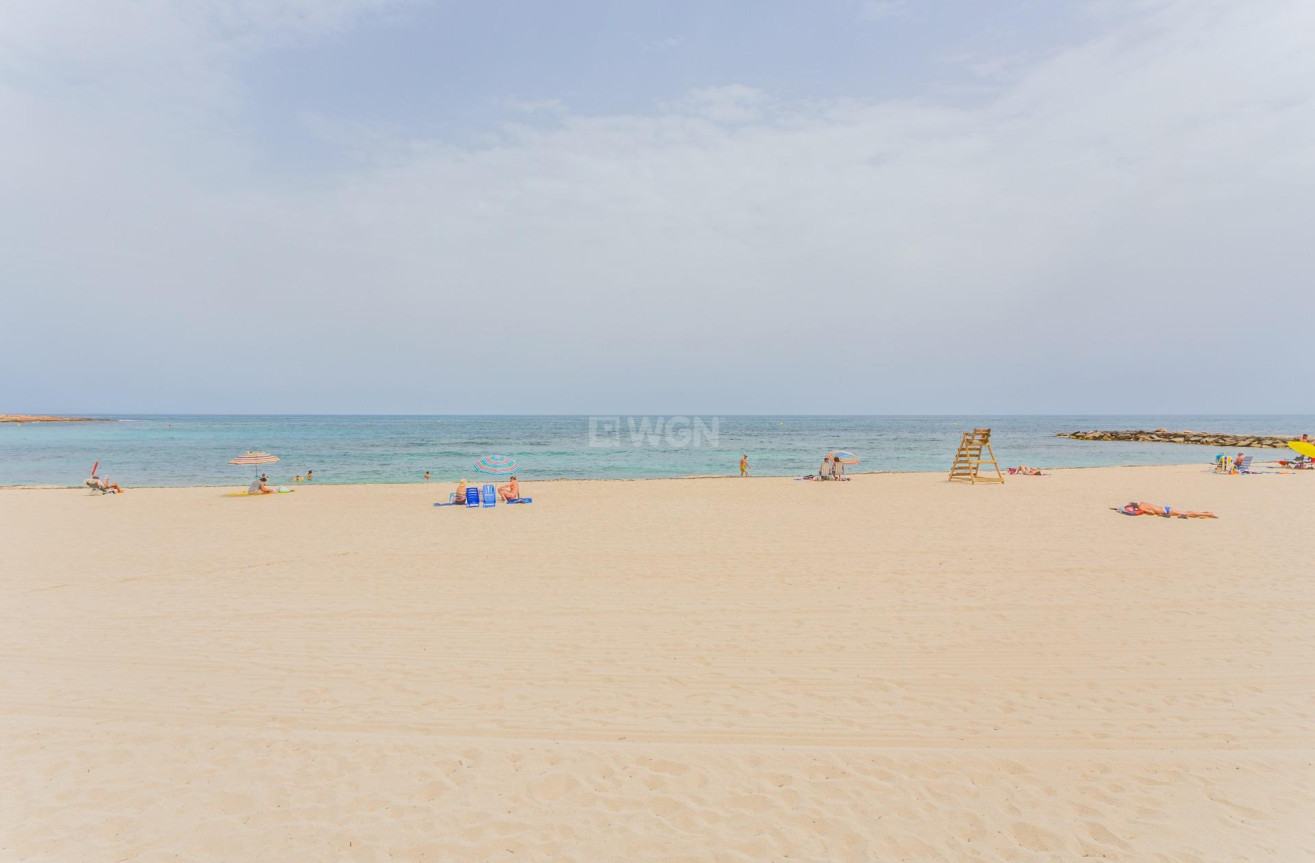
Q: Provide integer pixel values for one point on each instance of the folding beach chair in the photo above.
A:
(490, 495)
(1243, 465)
(472, 496)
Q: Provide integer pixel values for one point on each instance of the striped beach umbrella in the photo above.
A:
(499, 464)
(844, 457)
(253, 457)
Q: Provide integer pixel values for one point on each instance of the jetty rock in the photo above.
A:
(1194, 438)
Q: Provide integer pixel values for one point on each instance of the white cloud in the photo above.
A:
(1081, 241)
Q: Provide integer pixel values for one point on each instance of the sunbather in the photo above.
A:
(511, 491)
(461, 492)
(260, 485)
(827, 470)
(1144, 508)
(1026, 471)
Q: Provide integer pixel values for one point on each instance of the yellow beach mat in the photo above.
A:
(1306, 448)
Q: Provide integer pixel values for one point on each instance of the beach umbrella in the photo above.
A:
(1304, 447)
(844, 457)
(499, 464)
(253, 457)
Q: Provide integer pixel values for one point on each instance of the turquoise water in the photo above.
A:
(194, 450)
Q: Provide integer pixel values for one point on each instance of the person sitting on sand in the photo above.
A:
(827, 470)
(1026, 471)
(511, 491)
(260, 485)
(103, 484)
(1144, 508)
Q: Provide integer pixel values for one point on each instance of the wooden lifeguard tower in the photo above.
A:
(968, 460)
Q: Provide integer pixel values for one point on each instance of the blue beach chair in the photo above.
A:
(472, 496)
(490, 495)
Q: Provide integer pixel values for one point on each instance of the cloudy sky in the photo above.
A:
(369, 206)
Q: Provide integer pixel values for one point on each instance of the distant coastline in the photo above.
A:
(34, 418)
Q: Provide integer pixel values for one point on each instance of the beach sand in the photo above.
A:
(895, 668)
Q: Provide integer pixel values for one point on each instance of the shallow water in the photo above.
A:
(193, 450)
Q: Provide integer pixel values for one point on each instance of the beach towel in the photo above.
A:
(522, 500)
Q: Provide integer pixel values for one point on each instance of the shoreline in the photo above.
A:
(1204, 467)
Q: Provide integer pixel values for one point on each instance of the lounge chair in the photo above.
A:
(472, 496)
(98, 487)
(1243, 465)
(490, 495)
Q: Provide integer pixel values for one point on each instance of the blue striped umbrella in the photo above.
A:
(496, 464)
(844, 457)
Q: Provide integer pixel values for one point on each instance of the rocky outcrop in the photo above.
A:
(1227, 441)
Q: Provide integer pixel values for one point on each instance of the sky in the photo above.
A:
(848, 207)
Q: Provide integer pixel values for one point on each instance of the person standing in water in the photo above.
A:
(744, 465)
(426, 476)
(310, 475)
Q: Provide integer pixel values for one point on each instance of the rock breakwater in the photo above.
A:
(1228, 441)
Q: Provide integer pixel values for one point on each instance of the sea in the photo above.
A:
(193, 450)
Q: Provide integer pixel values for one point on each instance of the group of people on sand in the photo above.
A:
(832, 469)
(507, 493)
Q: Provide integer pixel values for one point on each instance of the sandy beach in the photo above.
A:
(894, 668)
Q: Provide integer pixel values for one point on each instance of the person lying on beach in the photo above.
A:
(511, 491)
(1144, 508)
(104, 485)
(1026, 471)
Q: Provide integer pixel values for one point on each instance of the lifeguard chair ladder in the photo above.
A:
(968, 460)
